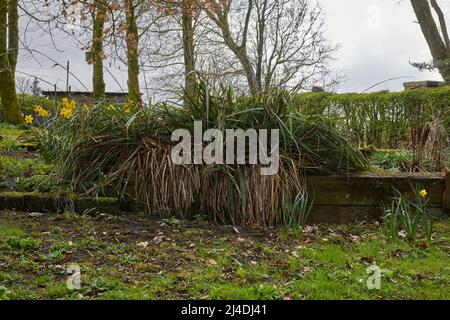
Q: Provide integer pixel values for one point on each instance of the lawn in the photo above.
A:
(137, 256)
(140, 257)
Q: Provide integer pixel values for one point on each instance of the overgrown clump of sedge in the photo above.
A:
(128, 155)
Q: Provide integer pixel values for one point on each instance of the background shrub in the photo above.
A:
(28, 103)
(380, 119)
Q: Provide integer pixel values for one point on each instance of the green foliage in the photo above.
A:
(18, 138)
(8, 144)
(9, 138)
(294, 214)
(4, 293)
(57, 252)
(381, 119)
(408, 215)
(170, 222)
(21, 244)
(22, 174)
(28, 103)
(51, 144)
(392, 159)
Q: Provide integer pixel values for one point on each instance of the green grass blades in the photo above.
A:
(146, 258)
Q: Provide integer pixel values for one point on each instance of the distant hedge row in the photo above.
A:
(380, 119)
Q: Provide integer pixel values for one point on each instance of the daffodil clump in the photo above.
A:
(67, 109)
(126, 108)
(409, 216)
(41, 111)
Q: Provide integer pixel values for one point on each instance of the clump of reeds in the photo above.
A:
(128, 156)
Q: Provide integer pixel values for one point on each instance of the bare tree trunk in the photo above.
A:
(188, 48)
(255, 88)
(260, 30)
(240, 50)
(241, 54)
(97, 54)
(134, 92)
(438, 44)
(9, 40)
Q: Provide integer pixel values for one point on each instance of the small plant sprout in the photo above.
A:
(295, 214)
(409, 215)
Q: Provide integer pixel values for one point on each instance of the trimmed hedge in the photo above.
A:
(380, 119)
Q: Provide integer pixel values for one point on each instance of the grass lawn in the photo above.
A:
(139, 257)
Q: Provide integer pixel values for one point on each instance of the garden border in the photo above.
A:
(337, 199)
(344, 199)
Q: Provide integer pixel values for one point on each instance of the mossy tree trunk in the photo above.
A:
(9, 47)
(188, 47)
(134, 92)
(97, 51)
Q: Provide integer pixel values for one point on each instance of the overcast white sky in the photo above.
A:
(378, 38)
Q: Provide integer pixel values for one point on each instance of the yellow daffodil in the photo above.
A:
(29, 119)
(41, 111)
(66, 113)
(67, 109)
(69, 104)
(423, 193)
(44, 113)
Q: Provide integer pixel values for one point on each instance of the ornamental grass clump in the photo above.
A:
(128, 155)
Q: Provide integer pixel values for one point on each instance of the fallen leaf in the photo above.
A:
(402, 234)
(240, 239)
(158, 239)
(35, 214)
(143, 244)
(211, 262)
